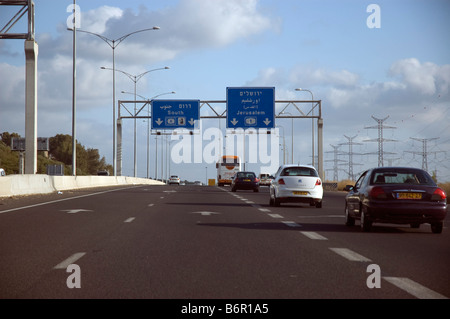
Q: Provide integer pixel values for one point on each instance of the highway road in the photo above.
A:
(203, 242)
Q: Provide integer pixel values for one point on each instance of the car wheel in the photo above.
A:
(233, 189)
(349, 221)
(366, 223)
(256, 190)
(437, 227)
(270, 201)
(276, 201)
(319, 204)
(415, 225)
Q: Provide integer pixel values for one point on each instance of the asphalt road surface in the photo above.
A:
(200, 242)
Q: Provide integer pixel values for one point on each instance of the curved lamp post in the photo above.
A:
(135, 79)
(113, 43)
(312, 110)
(148, 123)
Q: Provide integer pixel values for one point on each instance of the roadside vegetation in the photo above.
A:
(60, 152)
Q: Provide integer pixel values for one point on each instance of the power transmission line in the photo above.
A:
(335, 161)
(380, 139)
(350, 154)
(424, 152)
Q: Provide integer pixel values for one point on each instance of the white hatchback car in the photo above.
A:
(296, 183)
(174, 179)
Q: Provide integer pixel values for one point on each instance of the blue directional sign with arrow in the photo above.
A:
(173, 114)
(250, 107)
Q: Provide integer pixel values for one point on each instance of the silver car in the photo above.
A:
(298, 184)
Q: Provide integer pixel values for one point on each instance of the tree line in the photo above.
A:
(60, 152)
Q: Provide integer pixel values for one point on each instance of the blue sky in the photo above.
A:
(401, 70)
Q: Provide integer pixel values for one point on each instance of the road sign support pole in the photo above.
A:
(119, 147)
(320, 147)
(31, 53)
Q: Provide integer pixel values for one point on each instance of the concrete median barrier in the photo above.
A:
(13, 185)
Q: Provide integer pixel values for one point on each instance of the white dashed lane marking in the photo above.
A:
(64, 264)
(275, 215)
(414, 288)
(350, 254)
(290, 223)
(313, 235)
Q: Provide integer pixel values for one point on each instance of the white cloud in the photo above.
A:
(215, 22)
(427, 78)
(96, 20)
(323, 77)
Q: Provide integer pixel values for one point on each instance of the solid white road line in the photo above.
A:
(291, 224)
(349, 254)
(129, 220)
(414, 288)
(64, 264)
(64, 199)
(313, 235)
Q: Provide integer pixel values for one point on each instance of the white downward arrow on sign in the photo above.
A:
(74, 211)
(206, 213)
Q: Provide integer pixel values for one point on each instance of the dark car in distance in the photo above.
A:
(245, 180)
(396, 195)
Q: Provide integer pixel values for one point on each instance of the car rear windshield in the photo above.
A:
(299, 171)
(416, 177)
(246, 175)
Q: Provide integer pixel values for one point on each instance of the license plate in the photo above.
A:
(247, 180)
(300, 193)
(409, 196)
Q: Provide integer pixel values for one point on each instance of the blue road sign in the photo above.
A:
(250, 107)
(173, 114)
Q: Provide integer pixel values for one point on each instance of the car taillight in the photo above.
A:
(439, 194)
(256, 179)
(318, 182)
(281, 182)
(377, 192)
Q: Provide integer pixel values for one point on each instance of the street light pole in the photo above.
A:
(74, 94)
(284, 145)
(148, 123)
(312, 110)
(135, 79)
(113, 43)
(292, 136)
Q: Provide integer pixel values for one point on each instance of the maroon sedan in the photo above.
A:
(396, 195)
